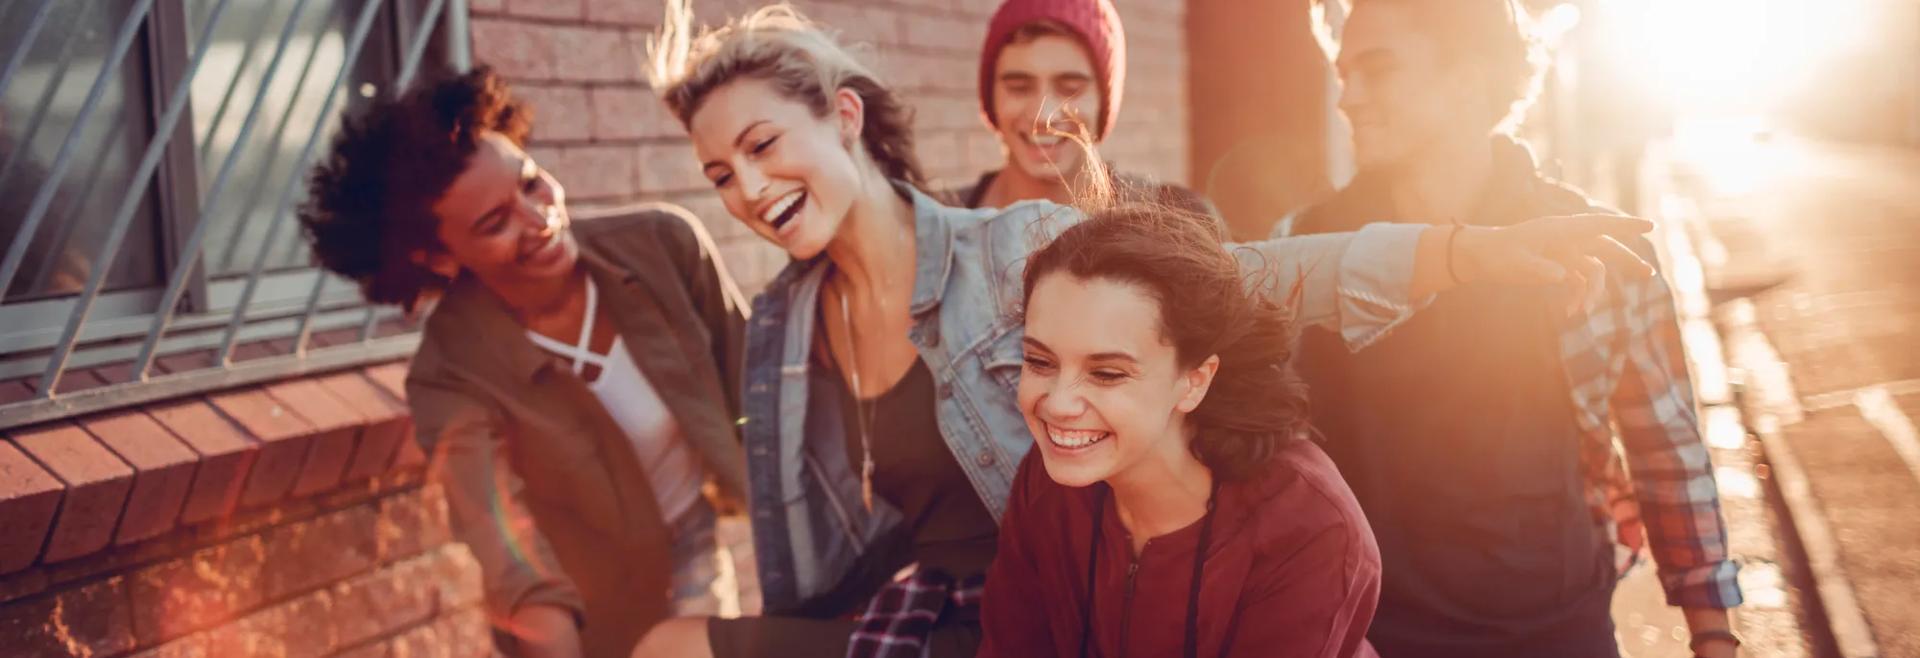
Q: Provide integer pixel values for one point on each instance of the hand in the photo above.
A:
(1575, 251)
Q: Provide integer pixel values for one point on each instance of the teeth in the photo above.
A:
(773, 212)
(1044, 140)
(1074, 438)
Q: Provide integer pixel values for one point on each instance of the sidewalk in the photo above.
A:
(1770, 619)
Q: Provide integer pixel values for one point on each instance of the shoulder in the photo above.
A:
(637, 225)
(1301, 504)
(1022, 227)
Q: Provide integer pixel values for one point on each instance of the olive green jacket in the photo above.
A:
(540, 482)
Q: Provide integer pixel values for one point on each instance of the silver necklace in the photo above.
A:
(863, 410)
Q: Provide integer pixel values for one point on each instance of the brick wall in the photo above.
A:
(281, 520)
(608, 140)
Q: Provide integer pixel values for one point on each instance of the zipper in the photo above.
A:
(1126, 597)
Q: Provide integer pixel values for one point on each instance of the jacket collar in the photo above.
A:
(932, 257)
(933, 249)
(468, 305)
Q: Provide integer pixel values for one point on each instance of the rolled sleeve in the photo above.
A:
(1357, 283)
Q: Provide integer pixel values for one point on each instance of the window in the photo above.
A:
(213, 222)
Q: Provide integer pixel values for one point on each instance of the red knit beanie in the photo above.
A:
(1097, 25)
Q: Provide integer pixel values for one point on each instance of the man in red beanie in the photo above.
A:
(1046, 65)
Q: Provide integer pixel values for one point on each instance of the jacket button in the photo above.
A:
(943, 390)
(986, 458)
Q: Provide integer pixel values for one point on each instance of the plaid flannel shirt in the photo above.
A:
(1627, 368)
(899, 618)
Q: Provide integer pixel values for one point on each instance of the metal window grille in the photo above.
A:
(152, 155)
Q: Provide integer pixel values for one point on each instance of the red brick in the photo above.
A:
(411, 522)
(212, 586)
(316, 552)
(517, 50)
(383, 601)
(600, 172)
(630, 113)
(226, 456)
(90, 620)
(624, 12)
(183, 362)
(466, 634)
(15, 390)
(386, 422)
(192, 646)
(375, 649)
(283, 438)
(163, 471)
(410, 455)
(561, 9)
(950, 33)
(336, 430)
(559, 112)
(97, 483)
(299, 628)
(29, 497)
(666, 168)
(420, 642)
(455, 575)
(861, 23)
(597, 55)
(22, 584)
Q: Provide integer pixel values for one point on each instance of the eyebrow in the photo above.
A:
(737, 139)
(1101, 356)
(1114, 356)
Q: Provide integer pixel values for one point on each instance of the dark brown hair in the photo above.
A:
(369, 205)
(1255, 403)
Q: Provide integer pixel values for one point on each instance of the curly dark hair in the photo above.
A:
(1256, 404)
(369, 204)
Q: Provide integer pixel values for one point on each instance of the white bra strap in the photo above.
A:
(581, 354)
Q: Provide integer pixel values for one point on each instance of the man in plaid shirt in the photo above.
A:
(1479, 434)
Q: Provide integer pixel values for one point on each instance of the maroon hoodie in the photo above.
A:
(1291, 571)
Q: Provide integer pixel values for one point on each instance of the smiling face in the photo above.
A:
(787, 173)
(1398, 91)
(1102, 389)
(1038, 84)
(503, 219)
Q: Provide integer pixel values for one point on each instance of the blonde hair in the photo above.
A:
(778, 45)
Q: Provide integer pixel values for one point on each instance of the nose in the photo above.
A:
(753, 182)
(1061, 402)
(537, 216)
(1056, 112)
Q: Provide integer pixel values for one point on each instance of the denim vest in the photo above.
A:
(809, 526)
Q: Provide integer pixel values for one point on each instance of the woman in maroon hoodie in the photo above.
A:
(1171, 507)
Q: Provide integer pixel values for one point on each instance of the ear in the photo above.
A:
(1196, 382)
(850, 112)
(438, 262)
